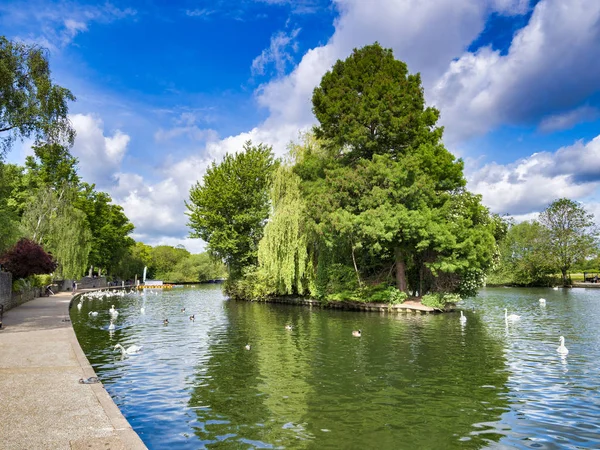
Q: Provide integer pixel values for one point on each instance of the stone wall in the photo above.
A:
(10, 299)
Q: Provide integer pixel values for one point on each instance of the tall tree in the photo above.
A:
(27, 258)
(229, 208)
(369, 104)
(572, 234)
(31, 105)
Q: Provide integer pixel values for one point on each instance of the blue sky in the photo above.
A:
(165, 87)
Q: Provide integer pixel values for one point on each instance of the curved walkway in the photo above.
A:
(43, 405)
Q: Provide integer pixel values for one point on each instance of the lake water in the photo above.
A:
(410, 381)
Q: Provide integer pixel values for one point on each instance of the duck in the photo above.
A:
(288, 327)
(562, 349)
(247, 347)
(166, 322)
(542, 301)
(129, 350)
(182, 309)
(357, 333)
(93, 313)
(111, 326)
(510, 317)
(463, 318)
(193, 317)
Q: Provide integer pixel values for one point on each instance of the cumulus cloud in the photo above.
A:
(530, 184)
(99, 155)
(553, 64)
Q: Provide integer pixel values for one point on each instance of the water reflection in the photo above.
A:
(422, 381)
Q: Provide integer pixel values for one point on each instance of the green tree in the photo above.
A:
(571, 234)
(229, 208)
(369, 104)
(31, 105)
(165, 258)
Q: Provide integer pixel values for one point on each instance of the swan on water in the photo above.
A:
(555, 288)
(511, 317)
(542, 301)
(143, 310)
(247, 347)
(288, 327)
(93, 313)
(79, 305)
(357, 333)
(111, 326)
(463, 318)
(562, 349)
(129, 350)
(113, 311)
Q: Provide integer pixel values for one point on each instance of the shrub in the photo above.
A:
(438, 300)
(27, 258)
(253, 285)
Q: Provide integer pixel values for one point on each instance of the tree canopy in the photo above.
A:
(31, 105)
(229, 208)
(27, 258)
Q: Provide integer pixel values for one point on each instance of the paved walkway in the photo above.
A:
(42, 403)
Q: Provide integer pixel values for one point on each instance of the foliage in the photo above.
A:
(282, 252)
(571, 234)
(164, 259)
(193, 268)
(30, 104)
(9, 219)
(438, 300)
(369, 104)
(229, 208)
(27, 258)
(253, 285)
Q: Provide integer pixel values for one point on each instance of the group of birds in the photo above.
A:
(514, 317)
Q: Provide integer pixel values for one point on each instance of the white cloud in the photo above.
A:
(277, 54)
(199, 12)
(553, 64)
(99, 155)
(532, 183)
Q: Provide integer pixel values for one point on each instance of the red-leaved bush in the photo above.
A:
(27, 258)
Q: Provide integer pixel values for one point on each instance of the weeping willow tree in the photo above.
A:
(51, 220)
(282, 252)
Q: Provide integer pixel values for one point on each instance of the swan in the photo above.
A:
(288, 327)
(357, 333)
(463, 318)
(79, 305)
(113, 311)
(542, 301)
(511, 317)
(562, 349)
(143, 310)
(555, 288)
(111, 326)
(130, 350)
(93, 313)
(247, 347)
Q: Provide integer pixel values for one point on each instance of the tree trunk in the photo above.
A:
(564, 276)
(400, 270)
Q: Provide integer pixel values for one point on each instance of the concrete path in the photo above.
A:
(42, 403)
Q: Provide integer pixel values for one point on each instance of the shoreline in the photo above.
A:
(407, 307)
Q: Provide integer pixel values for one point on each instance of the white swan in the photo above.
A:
(111, 326)
(463, 318)
(542, 301)
(562, 349)
(555, 288)
(93, 313)
(79, 305)
(511, 317)
(113, 311)
(247, 347)
(143, 310)
(130, 350)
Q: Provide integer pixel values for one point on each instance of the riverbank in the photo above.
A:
(43, 403)
(407, 307)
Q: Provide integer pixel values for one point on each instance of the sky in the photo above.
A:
(164, 87)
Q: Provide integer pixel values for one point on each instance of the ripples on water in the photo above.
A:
(411, 381)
